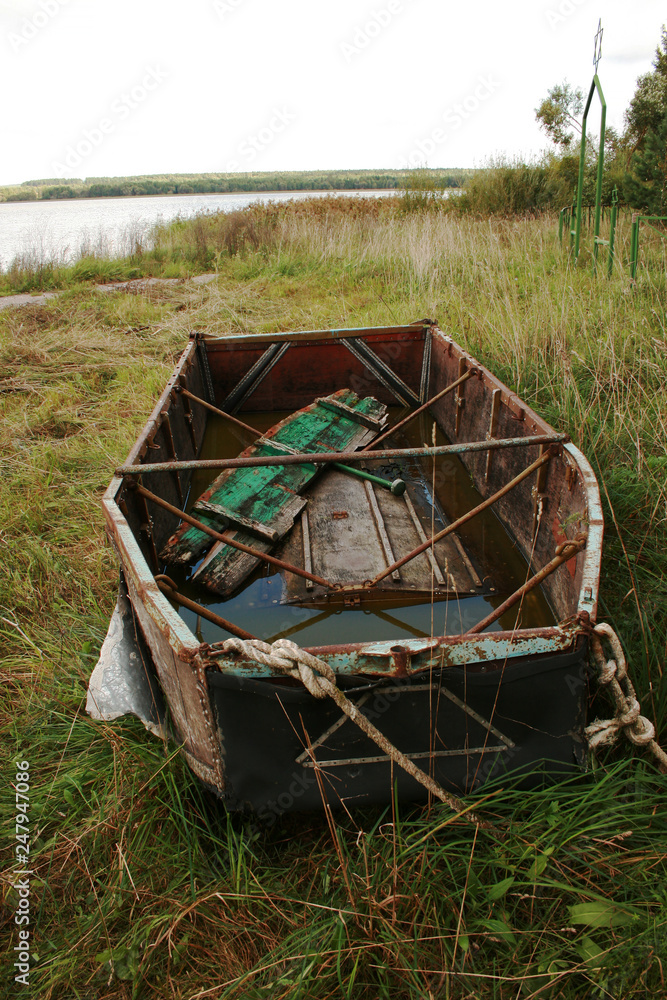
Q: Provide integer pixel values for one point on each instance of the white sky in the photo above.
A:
(153, 86)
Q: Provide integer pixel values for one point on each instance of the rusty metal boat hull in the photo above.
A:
(464, 707)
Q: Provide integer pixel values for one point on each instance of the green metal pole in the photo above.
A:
(612, 236)
(595, 85)
(634, 247)
(397, 487)
(580, 183)
(598, 186)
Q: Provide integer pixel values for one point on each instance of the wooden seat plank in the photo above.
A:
(264, 497)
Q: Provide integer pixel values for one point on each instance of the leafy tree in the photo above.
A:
(645, 186)
(645, 183)
(59, 191)
(649, 104)
(557, 114)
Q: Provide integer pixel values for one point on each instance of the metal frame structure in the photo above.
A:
(568, 212)
(595, 86)
(634, 238)
(577, 208)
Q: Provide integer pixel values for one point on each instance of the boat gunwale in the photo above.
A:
(184, 644)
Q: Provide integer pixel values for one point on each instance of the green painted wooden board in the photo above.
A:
(269, 495)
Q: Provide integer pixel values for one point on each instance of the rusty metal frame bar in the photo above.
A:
(426, 365)
(496, 400)
(381, 370)
(202, 354)
(455, 525)
(569, 551)
(376, 659)
(460, 396)
(182, 391)
(254, 376)
(411, 416)
(412, 331)
(220, 537)
(327, 458)
(170, 590)
(171, 448)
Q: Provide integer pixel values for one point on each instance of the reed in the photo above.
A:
(144, 887)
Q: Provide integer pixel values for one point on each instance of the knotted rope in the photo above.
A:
(320, 681)
(613, 673)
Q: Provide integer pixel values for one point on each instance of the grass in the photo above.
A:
(144, 889)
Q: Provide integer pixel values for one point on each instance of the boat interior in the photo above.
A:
(492, 500)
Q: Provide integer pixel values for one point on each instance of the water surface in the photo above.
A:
(257, 607)
(66, 230)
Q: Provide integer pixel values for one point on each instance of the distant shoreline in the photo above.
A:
(67, 189)
(200, 194)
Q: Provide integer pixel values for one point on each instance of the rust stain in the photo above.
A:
(561, 538)
(401, 657)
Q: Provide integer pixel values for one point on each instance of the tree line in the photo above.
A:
(54, 188)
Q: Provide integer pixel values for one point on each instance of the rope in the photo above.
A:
(613, 673)
(320, 680)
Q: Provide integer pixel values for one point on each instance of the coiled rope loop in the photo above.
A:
(288, 658)
(613, 673)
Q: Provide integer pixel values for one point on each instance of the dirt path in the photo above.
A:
(137, 284)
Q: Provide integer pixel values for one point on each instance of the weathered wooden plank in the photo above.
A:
(437, 572)
(224, 568)
(358, 415)
(353, 530)
(230, 517)
(381, 529)
(262, 496)
(307, 555)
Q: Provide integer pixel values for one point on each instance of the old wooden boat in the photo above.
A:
(453, 615)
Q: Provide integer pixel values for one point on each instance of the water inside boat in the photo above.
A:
(352, 525)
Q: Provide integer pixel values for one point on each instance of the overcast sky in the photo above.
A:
(152, 86)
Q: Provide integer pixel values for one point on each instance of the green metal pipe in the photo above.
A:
(397, 487)
(595, 85)
(598, 185)
(580, 182)
(634, 247)
(612, 239)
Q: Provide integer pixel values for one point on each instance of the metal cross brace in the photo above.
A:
(597, 55)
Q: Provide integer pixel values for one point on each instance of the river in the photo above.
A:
(63, 231)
